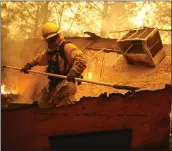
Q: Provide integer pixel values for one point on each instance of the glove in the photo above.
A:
(71, 76)
(81, 77)
(26, 68)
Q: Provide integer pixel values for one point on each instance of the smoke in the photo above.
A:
(129, 15)
(17, 54)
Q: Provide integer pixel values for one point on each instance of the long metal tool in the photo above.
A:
(78, 79)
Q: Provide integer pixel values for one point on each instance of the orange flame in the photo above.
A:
(146, 16)
(139, 20)
(6, 90)
(90, 75)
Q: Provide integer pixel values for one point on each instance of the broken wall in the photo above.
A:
(27, 127)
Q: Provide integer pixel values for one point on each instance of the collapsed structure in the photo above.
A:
(142, 121)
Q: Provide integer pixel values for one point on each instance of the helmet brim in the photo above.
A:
(52, 35)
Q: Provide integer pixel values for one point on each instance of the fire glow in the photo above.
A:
(141, 15)
(90, 75)
(6, 90)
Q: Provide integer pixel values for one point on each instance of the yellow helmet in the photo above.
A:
(49, 30)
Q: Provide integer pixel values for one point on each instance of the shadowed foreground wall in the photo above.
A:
(147, 114)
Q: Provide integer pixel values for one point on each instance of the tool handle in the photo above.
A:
(78, 79)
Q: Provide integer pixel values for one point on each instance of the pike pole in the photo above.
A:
(130, 88)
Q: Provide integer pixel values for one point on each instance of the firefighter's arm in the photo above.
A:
(77, 59)
(41, 60)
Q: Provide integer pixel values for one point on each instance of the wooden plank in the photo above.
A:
(138, 59)
(95, 44)
(159, 56)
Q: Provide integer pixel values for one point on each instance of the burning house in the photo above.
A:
(128, 106)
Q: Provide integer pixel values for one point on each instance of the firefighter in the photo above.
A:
(61, 57)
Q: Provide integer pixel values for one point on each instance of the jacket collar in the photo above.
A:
(56, 49)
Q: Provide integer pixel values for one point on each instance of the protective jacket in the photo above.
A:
(71, 62)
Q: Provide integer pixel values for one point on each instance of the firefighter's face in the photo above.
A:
(53, 41)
